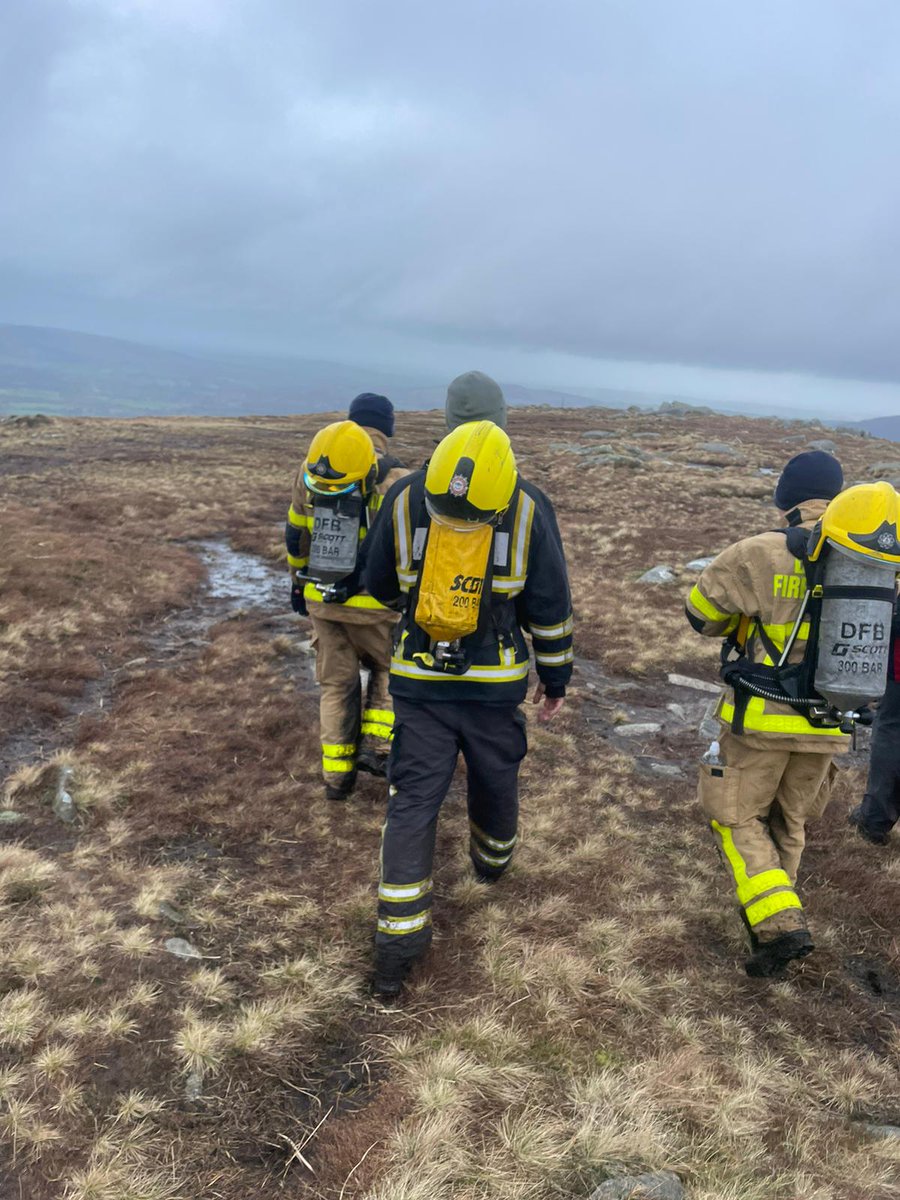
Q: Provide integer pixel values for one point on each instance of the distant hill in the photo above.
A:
(882, 427)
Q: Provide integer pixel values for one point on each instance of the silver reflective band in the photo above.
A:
(398, 892)
(404, 924)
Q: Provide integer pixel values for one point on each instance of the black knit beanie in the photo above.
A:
(374, 412)
(812, 475)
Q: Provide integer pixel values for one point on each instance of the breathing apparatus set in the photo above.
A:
(469, 484)
(850, 563)
(340, 476)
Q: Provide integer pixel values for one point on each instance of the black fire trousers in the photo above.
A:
(880, 808)
(427, 741)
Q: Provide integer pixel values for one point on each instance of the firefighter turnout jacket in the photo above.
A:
(360, 608)
(526, 583)
(755, 589)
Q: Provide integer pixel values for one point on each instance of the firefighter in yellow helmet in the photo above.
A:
(337, 492)
(774, 599)
(471, 559)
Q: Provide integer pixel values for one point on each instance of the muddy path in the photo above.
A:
(237, 586)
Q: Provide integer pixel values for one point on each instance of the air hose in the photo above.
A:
(777, 697)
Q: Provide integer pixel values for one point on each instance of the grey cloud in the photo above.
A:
(691, 182)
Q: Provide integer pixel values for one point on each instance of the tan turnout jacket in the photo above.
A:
(760, 579)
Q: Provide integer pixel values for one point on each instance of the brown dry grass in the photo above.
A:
(585, 1015)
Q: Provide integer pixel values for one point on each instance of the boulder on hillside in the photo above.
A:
(825, 444)
(885, 470)
(719, 448)
(659, 574)
(661, 1185)
(678, 408)
(601, 433)
(29, 420)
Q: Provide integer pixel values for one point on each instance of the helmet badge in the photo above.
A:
(459, 485)
(321, 467)
(886, 540)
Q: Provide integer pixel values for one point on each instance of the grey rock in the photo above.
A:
(170, 913)
(662, 1185)
(63, 804)
(881, 1131)
(825, 444)
(181, 948)
(767, 471)
(601, 433)
(306, 648)
(881, 470)
(677, 710)
(8, 817)
(688, 681)
(660, 574)
(718, 448)
(643, 729)
(193, 1087)
(699, 564)
(667, 770)
(678, 408)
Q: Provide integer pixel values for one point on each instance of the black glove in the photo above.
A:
(865, 716)
(298, 600)
(340, 593)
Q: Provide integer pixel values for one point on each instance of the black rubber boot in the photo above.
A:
(340, 791)
(484, 874)
(388, 979)
(855, 818)
(372, 763)
(770, 959)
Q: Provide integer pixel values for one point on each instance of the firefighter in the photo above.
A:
(465, 550)
(771, 769)
(880, 809)
(347, 460)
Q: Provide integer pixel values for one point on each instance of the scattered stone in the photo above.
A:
(667, 770)
(182, 948)
(8, 817)
(29, 420)
(678, 408)
(677, 710)
(662, 1185)
(699, 685)
(601, 433)
(767, 471)
(640, 730)
(306, 648)
(882, 470)
(63, 804)
(881, 1131)
(722, 448)
(170, 913)
(699, 564)
(193, 1087)
(825, 444)
(660, 574)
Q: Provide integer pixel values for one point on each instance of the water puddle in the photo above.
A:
(243, 579)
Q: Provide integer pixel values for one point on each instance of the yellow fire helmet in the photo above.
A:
(472, 475)
(863, 521)
(340, 458)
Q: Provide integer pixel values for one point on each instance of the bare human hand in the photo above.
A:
(551, 705)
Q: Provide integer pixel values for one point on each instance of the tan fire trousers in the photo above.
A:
(758, 804)
(347, 719)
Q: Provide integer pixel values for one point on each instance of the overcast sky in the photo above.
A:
(578, 190)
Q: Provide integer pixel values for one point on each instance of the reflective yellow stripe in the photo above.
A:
(360, 600)
(298, 563)
(763, 882)
(552, 660)
(761, 910)
(521, 540)
(400, 925)
(299, 520)
(383, 715)
(511, 586)
(402, 533)
(757, 720)
(373, 729)
(484, 674)
(338, 749)
(702, 605)
(489, 858)
(337, 766)
(553, 631)
(400, 893)
(780, 633)
(494, 843)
